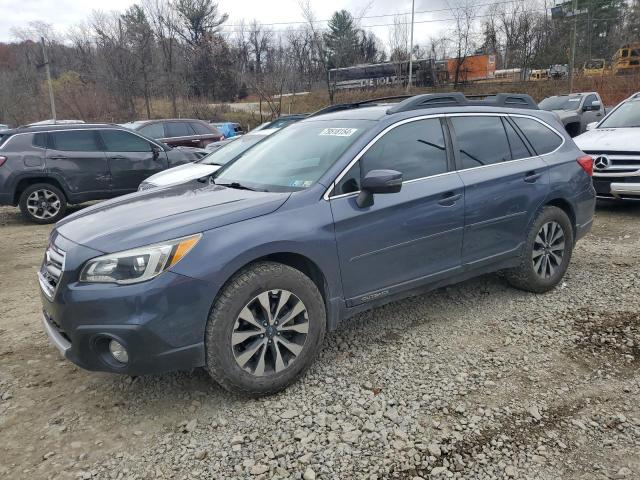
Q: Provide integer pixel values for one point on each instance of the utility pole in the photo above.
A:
(48, 70)
(413, 11)
(572, 55)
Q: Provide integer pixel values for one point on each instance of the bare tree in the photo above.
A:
(464, 14)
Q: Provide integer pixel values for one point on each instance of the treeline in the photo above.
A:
(173, 57)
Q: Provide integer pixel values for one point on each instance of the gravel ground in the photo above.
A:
(474, 381)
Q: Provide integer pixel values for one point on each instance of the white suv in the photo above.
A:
(614, 144)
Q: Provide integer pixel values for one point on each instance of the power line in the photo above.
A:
(303, 22)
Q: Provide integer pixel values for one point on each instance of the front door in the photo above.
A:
(76, 157)
(404, 239)
(504, 185)
(131, 159)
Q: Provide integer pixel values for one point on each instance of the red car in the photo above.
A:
(178, 132)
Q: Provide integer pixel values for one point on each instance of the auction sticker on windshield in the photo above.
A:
(338, 132)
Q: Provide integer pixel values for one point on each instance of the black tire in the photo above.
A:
(239, 292)
(525, 276)
(35, 217)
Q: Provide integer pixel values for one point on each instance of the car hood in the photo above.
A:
(610, 139)
(165, 213)
(565, 115)
(181, 173)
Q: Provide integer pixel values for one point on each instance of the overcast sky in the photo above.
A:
(63, 14)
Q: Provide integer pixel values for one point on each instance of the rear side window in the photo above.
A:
(200, 129)
(154, 130)
(39, 140)
(121, 141)
(542, 138)
(178, 129)
(76, 141)
(518, 148)
(416, 149)
(3, 138)
(481, 141)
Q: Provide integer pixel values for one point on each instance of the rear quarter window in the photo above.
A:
(542, 138)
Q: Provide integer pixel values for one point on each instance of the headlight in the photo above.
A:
(139, 264)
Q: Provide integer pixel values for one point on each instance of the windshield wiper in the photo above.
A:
(236, 185)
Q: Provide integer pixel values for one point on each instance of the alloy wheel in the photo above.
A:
(43, 204)
(270, 333)
(548, 249)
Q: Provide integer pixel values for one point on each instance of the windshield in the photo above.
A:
(560, 103)
(626, 115)
(231, 150)
(296, 157)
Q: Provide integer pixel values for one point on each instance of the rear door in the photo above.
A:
(405, 238)
(76, 156)
(131, 159)
(180, 134)
(504, 185)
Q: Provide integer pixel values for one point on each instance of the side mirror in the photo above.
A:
(156, 152)
(591, 126)
(378, 181)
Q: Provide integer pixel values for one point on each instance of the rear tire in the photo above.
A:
(265, 329)
(546, 253)
(43, 203)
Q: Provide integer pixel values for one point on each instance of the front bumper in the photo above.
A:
(626, 188)
(161, 323)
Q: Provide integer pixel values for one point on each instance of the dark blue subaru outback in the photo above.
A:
(366, 203)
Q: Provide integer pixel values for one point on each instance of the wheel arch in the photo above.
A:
(24, 182)
(567, 208)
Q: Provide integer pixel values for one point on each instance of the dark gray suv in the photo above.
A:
(43, 169)
(333, 215)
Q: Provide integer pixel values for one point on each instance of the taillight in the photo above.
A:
(2, 160)
(586, 162)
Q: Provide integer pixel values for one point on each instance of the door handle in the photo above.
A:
(532, 177)
(118, 157)
(58, 157)
(449, 199)
(195, 141)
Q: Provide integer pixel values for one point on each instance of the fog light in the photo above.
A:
(118, 351)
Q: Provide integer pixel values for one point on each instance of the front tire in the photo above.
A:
(546, 254)
(265, 329)
(43, 203)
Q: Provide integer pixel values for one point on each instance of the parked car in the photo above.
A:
(43, 169)
(575, 110)
(233, 147)
(3, 126)
(614, 144)
(182, 132)
(336, 214)
(282, 121)
(229, 129)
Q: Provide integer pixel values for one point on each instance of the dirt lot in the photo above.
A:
(472, 381)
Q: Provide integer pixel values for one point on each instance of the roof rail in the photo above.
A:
(347, 106)
(435, 100)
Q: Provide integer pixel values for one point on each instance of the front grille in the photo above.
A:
(51, 271)
(619, 162)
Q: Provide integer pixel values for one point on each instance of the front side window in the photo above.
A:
(153, 130)
(294, 158)
(626, 115)
(121, 141)
(542, 138)
(416, 149)
(76, 141)
(200, 129)
(178, 129)
(481, 141)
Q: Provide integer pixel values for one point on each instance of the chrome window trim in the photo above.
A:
(122, 129)
(327, 197)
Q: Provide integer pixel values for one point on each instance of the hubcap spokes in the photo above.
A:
(270, 332)
(548, 249)
(43, 204)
